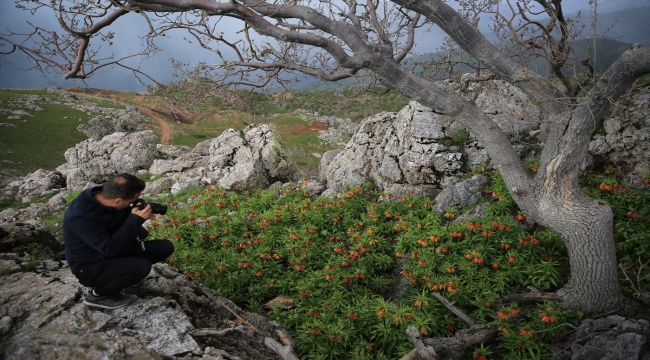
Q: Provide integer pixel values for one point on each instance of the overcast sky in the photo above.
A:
(129, 27)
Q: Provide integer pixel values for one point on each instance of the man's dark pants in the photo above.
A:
(109, 276)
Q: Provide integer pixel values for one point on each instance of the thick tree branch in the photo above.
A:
(470, 39)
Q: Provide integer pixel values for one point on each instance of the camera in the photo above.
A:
(155, 207)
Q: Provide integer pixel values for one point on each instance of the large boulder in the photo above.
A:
(98, 161)
(39, 182)
(252, 160)
(352, 165)
(398, 153)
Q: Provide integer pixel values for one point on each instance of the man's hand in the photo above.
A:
(144, 213)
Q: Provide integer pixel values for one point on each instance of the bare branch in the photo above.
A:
(454, 309)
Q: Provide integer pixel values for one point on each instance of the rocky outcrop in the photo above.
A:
(42, 316)
(398, 152)
(624, 138)
(117, 120)
(39, 182)
(419, 149)
(254, 160)
(502, 102)
(98, 161)
(352, 165)
(250, 160)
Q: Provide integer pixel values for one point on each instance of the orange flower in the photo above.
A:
(524, 332)
(513, 311)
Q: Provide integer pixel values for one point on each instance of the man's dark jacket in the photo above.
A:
(93, 232)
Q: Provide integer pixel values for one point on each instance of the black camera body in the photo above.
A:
(156, 208)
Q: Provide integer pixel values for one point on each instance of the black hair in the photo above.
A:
(123, 186)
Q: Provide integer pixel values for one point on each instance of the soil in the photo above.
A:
(298, 129)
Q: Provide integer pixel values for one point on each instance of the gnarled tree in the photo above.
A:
(334, 40)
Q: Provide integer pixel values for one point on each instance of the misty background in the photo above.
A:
(628, 20)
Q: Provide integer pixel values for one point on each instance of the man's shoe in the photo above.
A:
(107, 301)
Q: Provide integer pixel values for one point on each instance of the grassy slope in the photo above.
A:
(38, 141)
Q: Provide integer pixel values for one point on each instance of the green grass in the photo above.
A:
(286, 120)
(38, 141)
(645, 79)
(193, 138)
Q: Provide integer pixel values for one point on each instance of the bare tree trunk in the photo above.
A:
(586, 226)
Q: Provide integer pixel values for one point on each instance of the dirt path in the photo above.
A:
(166, 137)
(166, 129)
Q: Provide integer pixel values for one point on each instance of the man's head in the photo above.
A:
(122, 190)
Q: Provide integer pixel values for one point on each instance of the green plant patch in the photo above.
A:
(32, 264)
(54, 130)
(645, 79)
(286, 120)
(334, 258)
(54, 223)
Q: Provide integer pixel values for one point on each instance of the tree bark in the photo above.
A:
(586, 226)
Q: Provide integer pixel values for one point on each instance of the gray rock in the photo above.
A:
(58, 201)
(325, 161)
(161, 166)
(39, 182)
(98, 161)
(613, 337)
(173, 151)
(461, 195)
(14, 234)
(625, 143)
(477, 212)
(96, 128)
(44, 313)
(403, 148)
(158, 186)
(502, 102)
(5, 324)
(352, 165)
(203, 148)
(251, 161)
(35, 211)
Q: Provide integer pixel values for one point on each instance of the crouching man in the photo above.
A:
(103, 236)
